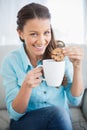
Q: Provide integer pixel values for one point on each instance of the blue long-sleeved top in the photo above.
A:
(15, 67)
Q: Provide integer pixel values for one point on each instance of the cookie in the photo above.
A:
(57, 54)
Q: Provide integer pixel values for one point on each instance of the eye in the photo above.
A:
(34, 34)
(47, 32)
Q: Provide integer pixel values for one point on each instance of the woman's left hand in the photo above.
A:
(75, 54)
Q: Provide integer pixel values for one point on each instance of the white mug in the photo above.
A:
(53, 72)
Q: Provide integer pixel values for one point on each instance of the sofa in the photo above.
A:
(78, 114)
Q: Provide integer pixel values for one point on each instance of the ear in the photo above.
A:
(20, 33)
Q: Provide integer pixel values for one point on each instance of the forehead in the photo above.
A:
(35, 24)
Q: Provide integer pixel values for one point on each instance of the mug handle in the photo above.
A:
(43, 79)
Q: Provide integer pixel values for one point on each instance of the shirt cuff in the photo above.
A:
(15, 115)
(75, 100)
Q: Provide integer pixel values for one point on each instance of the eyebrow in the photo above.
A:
(37, 31)
(32, 31)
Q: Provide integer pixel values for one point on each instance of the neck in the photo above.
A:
(33, 59)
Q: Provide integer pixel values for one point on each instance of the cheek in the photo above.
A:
(29, 40)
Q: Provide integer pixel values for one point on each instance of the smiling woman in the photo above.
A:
(28, 106)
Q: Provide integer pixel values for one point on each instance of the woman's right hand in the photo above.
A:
(33, 78)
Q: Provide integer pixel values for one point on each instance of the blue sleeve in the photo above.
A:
(11, 86)
(75, 101)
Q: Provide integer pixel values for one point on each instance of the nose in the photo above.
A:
(41, 40)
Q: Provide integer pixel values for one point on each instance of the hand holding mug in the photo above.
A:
(33, 77)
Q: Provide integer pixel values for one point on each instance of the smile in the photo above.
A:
(39, 47)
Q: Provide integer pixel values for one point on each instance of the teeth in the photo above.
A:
(38, 46)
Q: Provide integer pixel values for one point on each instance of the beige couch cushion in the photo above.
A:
(4, 120)
(2, 95)
(78, 121)
(84, 104)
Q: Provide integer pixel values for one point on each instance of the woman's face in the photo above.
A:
(37, 35)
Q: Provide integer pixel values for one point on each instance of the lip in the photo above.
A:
(39, 47)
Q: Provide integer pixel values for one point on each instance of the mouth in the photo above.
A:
(39, 47)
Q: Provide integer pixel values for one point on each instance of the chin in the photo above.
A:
(39, 54)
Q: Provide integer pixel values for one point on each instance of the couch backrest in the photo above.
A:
(5, 49)
(84, 67)
(84, 104)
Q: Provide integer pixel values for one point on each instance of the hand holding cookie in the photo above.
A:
(75, 54)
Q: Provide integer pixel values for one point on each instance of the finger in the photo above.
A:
(37, 75)
(76, 57)
(73, 51)
(34, 71)
(33, 82)
(70, 49)
(37, 81)
(37, 69)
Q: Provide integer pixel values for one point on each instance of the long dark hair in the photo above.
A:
(32, 11)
